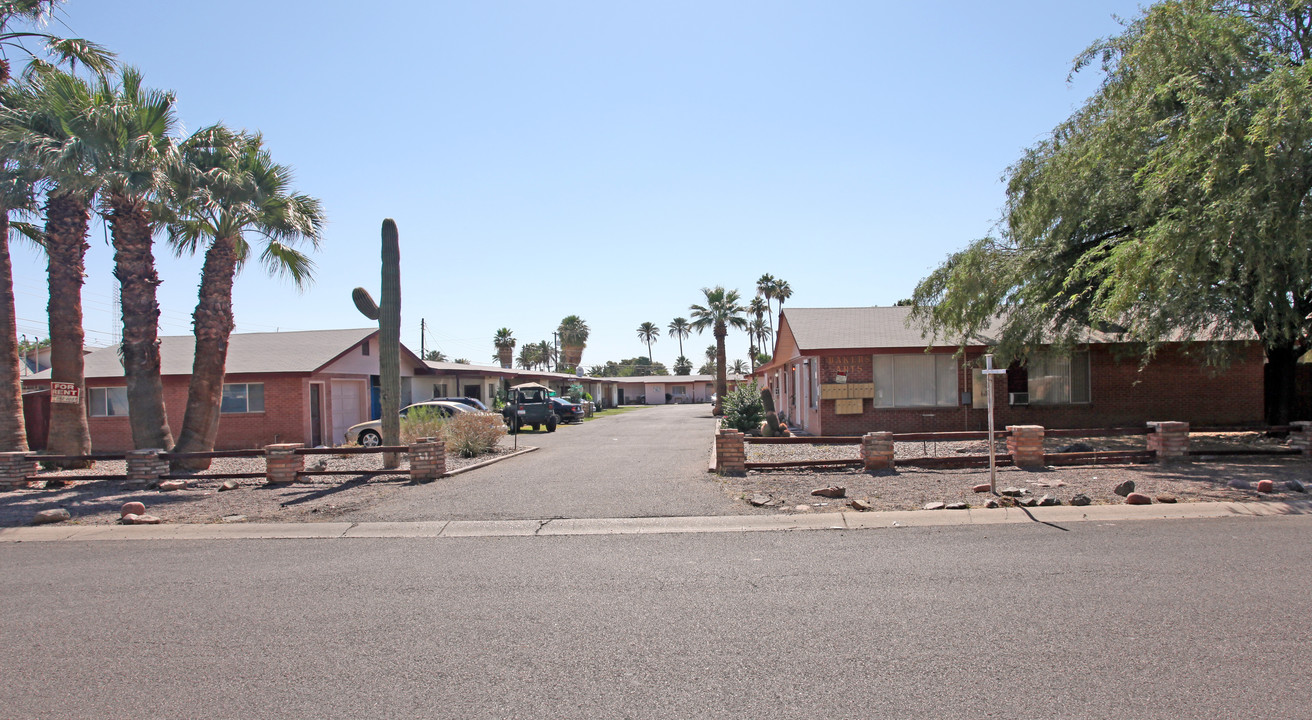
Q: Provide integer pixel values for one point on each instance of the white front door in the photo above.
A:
(346, 407)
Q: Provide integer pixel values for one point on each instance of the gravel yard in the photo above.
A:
(910, 488)
(311, 499)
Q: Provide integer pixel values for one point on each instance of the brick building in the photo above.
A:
(848, 371)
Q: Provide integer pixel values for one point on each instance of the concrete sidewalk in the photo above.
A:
(654, 525)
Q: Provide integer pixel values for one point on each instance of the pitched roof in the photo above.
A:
(857, 327)
(304, 351)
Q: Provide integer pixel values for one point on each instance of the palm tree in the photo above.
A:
(69, 51)
(40, 128)
(573, 333)
(546, 355)
(682, 366)
(648, 333)
(765, 289)
(758, 329)
(721, 311)
(128, 132)
(16, 195)
(528, 356)
(709, 354)
(226, 187)
(505, 342)
(738, 368)
(679, 328)
(782, 292)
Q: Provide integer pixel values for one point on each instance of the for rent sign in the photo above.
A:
(65, 392)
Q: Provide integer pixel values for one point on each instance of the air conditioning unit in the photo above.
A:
(1018, 398)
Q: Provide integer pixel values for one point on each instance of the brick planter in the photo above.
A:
(1170, 440)
(877, 451)
(281, 463)
(145, 466)
(427, 459)
(1025, 444)
(14, 469)
(730, 453)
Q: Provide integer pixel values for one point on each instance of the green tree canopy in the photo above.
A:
(1173, 204)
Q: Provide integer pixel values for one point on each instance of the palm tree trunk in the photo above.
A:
(507, 356)
(134, 266)
(721, 383)
(213, 324)
(67, 217)
(13, 436)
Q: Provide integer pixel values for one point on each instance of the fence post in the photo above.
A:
(281, 463)
(1170, 439)
(145, 466)
(14, 469)
(427, 459)
(730, 453)
(877, 451)
(1300, 436)
(1025, 445)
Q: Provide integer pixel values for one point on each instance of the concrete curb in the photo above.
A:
(492, 461)
(846, 520)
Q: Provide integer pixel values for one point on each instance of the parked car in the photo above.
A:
(566, 411)
(530, 404)
(370, 434)
(471, 402)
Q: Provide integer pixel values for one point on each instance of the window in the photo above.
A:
(109, 402)
(1058, 379)
(439, 389)
(815, 382)
(242, 398)
(364, 348)
(918, 380)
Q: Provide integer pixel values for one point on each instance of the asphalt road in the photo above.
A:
(1166, 619)
(646, 463)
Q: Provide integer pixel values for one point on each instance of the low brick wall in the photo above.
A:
(144, 467)
(877, 451)
(1025, 445)
(1170, 440)
(427, 459)
(730, 453)
(14, 469)
(282, 464)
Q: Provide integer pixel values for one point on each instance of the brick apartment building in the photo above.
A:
(848, 371)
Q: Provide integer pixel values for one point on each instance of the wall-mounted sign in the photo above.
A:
(65, 392)
(841, 378)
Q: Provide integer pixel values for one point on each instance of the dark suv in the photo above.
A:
(529, 404)
(567, 411)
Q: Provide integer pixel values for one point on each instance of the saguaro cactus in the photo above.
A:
(388, 315)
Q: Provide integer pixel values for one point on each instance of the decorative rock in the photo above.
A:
(803, 508)
(1296, 486)
(169, 485)
(1076, 447)
(993, 503)
(957, 506)
(1014, 491)
(132, 508)
(1048, 501)
(144, 520)
(1124, 489)
(861, 505)
(1266, 486)
(935, 506)
(234, 518)
(1166, 499)
(982, 487)
(831, 492)
(1240, 484)
(229, 485)
(45, 517)
(759, 500)
(1081, 500)
(1135, 498)
(1030, 502)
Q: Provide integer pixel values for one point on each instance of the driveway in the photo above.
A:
(646, 463)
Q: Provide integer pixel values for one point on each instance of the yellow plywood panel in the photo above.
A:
(848, 406)
(832, 391)
(861, 390)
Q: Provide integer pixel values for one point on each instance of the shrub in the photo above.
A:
(421, 422)
(472, 434)
(575, 393)
(743, 410)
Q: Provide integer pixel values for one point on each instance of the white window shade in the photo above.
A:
(915, 380)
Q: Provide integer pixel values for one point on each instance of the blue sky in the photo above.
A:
(598, 158)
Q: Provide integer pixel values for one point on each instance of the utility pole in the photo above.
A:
(555, 352)
(422, 332)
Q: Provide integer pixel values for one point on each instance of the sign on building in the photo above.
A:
(65, 392)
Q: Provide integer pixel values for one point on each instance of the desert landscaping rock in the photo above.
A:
(1135, 498)
(229, 485)
(957, 506)
(759, 500)
(144, 520)
(860, 505)
(1048, 501)
(1266, 486)
(1166, 499)
(45, 517)
(132, 508)
(993, 503)
(1296, 486)
(1239, 484)
(803, 508)
(1080, 500)
(1076, 447)
(1124, 489)
(982, 488)
(1029, 502)
(1013, 492)
(834, 491)
(170, 485)
(935, 506)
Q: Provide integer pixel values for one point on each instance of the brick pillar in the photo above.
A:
(427, 459)
(1301, 436)
(877, 451)
(1025, 444)
(14, 469)
(1169, 439)
(281, 463)
(730, 453)
(145, 467)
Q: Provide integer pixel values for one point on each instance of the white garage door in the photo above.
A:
(346, 407)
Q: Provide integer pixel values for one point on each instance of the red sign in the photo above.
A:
(65, 392)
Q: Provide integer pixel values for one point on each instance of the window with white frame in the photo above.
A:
(108, 402)
(1058, 378)
(242, 398)
(918, 380)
